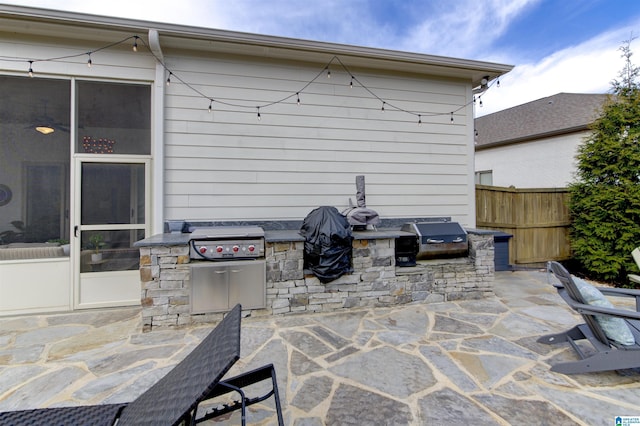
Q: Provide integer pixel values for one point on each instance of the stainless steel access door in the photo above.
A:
(218, 286)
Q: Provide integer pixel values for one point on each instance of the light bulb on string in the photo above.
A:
(327, 68)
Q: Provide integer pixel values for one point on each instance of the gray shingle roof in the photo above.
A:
(553, 115)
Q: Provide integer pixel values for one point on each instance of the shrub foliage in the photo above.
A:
(605, 196)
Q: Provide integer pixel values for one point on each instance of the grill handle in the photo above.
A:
(433, 241)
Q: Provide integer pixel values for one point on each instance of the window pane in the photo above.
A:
(34, 163)
(113, 118)
(112, 193)
(110, 250)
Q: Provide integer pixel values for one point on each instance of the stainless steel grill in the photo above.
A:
(227, 243)
(439, 239)
(232, 271)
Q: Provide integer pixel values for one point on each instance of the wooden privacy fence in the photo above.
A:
(538, 219)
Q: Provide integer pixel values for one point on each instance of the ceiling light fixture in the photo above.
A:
(45, 130)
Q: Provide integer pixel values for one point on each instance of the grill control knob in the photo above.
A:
(202, 249)
(219, 249)
(236, 248)
(252, 248)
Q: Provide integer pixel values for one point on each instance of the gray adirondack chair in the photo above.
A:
(601, 352)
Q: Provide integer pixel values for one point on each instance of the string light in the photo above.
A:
(326, 69)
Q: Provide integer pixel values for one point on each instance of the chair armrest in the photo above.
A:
(622, 292)
(634, 278)
(613, 312)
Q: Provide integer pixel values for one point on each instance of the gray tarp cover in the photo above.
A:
(361, 215)
(328, 243)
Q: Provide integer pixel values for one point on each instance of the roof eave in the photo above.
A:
(282, 46)
(529, 138)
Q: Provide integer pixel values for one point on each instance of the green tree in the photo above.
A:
(605, 197)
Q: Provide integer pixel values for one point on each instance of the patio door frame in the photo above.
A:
(112, 288)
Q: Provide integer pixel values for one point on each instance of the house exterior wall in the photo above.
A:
(541, 163)
(228, 165)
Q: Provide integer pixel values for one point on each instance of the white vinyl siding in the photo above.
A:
(543, 163)
(228, 165)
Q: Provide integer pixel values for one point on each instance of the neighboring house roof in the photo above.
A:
(551, 116)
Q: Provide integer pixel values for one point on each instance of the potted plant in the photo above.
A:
(95, 243)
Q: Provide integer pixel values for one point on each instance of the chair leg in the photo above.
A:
(276, 395)
(237, 383)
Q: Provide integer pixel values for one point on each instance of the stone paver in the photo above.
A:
(457, 362)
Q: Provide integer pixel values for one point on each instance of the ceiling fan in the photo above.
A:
(46, 124)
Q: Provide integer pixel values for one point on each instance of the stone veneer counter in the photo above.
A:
(375, 281)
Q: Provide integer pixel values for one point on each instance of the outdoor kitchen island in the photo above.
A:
(166, 265)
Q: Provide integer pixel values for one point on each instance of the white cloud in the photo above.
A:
(464, 29)
(188, 12)
(586, 68)
(460, 28)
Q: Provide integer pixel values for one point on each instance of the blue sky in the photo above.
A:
(556, 45)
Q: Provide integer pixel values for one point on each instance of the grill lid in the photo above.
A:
(437, 232)
(227, 242)
(438, 239)
(226, 232)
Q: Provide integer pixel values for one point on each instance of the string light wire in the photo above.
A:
(386, 105)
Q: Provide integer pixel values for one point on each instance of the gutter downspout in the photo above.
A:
(157, 138)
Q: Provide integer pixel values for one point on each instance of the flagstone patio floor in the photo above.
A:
(466, 362)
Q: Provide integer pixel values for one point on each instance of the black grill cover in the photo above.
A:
(328, 243)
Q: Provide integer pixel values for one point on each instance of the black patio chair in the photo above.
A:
(175, 398)
(605, 351)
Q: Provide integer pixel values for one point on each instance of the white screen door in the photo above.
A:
(113, 215)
